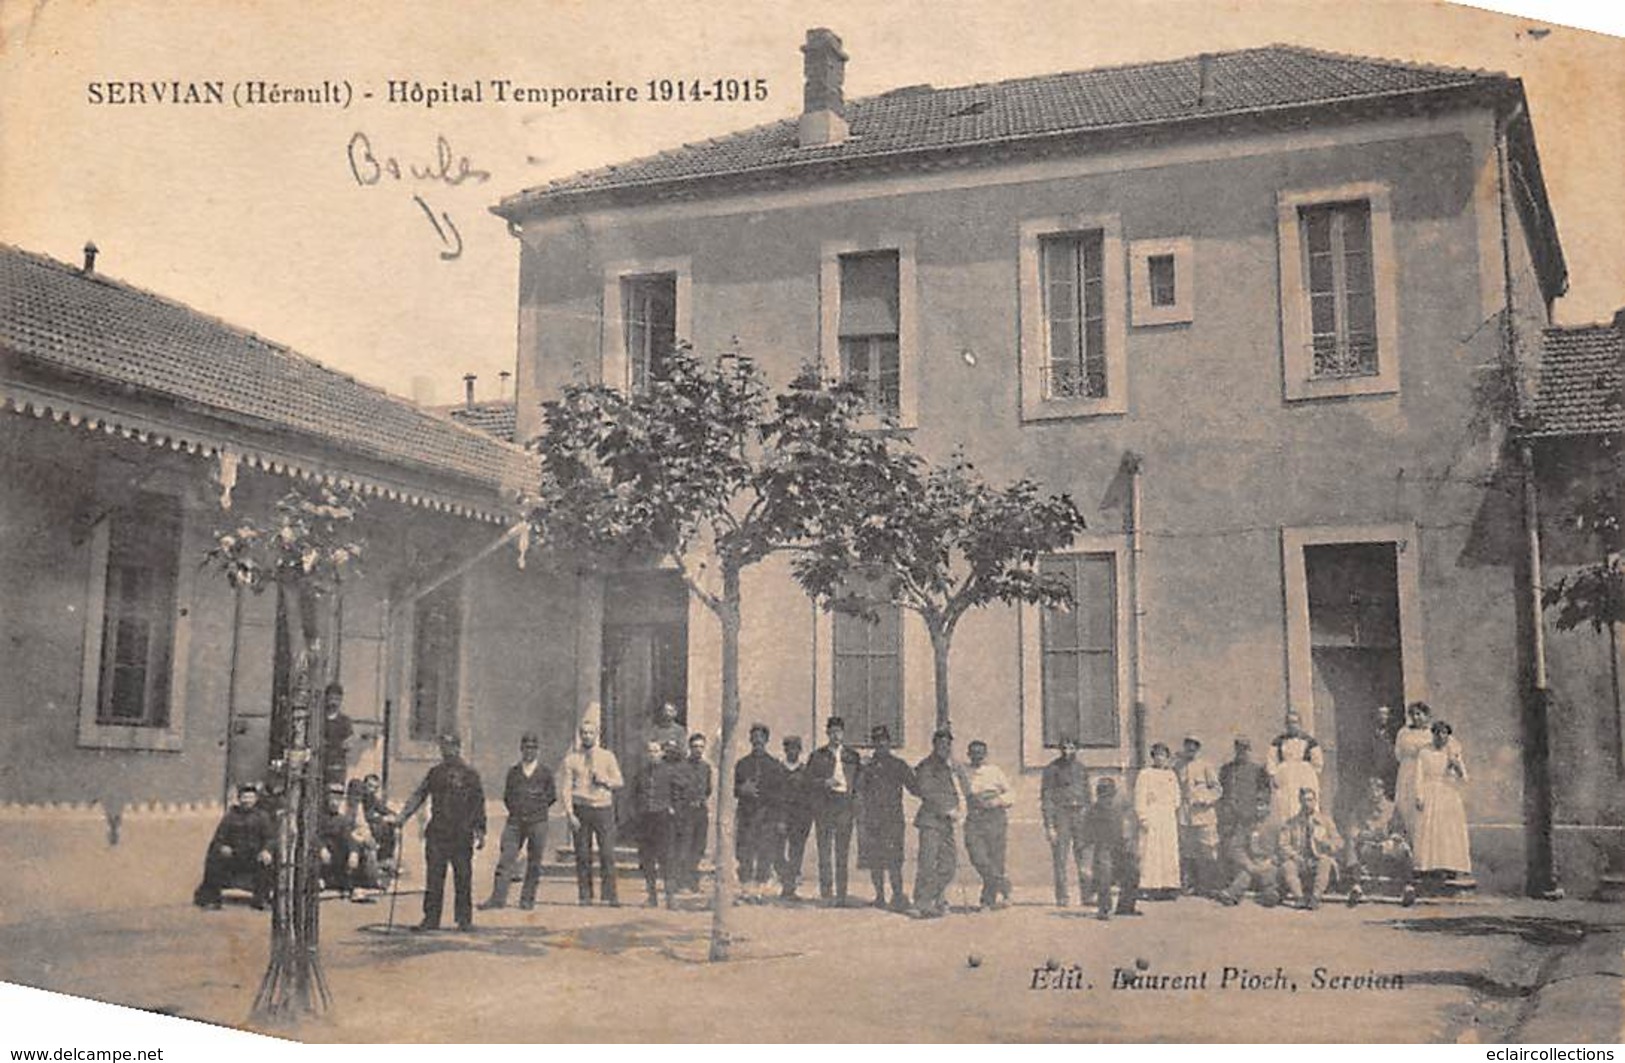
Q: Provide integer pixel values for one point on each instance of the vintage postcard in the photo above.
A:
(1042, 521)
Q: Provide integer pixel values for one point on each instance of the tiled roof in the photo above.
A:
(57, 316)
(493, 418)
(921, 118)
(1582, 382)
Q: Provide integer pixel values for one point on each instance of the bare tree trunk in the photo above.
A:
(294, 985)
(942, 638)
(723, 899)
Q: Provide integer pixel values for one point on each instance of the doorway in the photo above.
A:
(1357, 660)
(645, 657)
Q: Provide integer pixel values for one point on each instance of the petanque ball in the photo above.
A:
(974, 960)
(1142, 964)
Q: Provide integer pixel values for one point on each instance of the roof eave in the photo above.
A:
(522, 206)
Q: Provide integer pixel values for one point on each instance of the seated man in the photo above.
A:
(1308, 842)
(1377, 848)
(347, 853)
(1249, 856)
(241, 847)
(380, 819)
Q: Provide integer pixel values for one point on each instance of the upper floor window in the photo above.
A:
(868, 683)
(1074, 315)
(868, 322)
(647, 309)
(1338, 292)
(135, 644)
(649, 315)
(869, 328)
(1342, 297)
(1073, 311)
(437, 627)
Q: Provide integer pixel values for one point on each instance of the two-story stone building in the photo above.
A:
(1286, 281)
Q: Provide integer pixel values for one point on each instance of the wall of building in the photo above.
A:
(1228, 463)
(60, 479)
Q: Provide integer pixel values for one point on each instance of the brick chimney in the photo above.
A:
(1619, 319)
(90, 258)
(468, 390)
(823, 111)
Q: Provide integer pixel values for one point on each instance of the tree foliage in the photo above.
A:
(1595, 593)
(705, 469)
(941, 541)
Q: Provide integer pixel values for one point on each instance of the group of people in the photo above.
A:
(839, 792)
(1186, 826)
(1262, 827)
(355, 846)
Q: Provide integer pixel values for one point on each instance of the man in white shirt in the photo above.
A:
(988, 800)
(588, 779)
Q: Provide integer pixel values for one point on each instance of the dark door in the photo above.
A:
(1354, 635)
(645, 657)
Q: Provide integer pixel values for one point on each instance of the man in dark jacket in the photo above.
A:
(1241, 779)
(793, 806)
(757, 778)
(1111, 841)
(1063, 798)
(832, 777)
(881, 829)
(654, 796)
(241, 845)
(692, 797)
(456, 828)
(528, 793)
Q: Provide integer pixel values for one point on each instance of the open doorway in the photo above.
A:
(645, 657)
(1357, 660)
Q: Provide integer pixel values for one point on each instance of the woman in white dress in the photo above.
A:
(1441, 820)
(1411, 740)
(1293, 764)
(1156, 808)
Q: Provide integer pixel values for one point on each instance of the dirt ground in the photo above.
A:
(1483, 970)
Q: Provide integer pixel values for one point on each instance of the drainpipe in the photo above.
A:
(231, 688)
(1540, 872)
(1133, 464)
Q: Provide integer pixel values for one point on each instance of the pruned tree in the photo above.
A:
(704, 470)
(305, 550)
(941, 541)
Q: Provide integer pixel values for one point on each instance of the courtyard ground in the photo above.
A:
(1483, 970)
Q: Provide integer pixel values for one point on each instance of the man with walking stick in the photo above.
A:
(456, 828)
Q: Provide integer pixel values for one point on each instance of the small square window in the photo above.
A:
(1162, 280)
(1162, 284)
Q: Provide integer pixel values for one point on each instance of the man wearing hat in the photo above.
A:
(456, 828)
(338, 732)
(832, 772)
(241, 845)
(1242, 779)
(880, 817)
(938, 789)
(757, 779)
(528, 793)
(1200, 790)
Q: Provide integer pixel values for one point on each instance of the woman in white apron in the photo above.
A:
(1156, 808)
(1293, 764)
(1409, 743)
(1441, 822)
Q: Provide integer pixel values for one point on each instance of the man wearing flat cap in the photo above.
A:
(456, 828)
(832, 774)
(940, 808)
(528, 793)
(881, 825)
